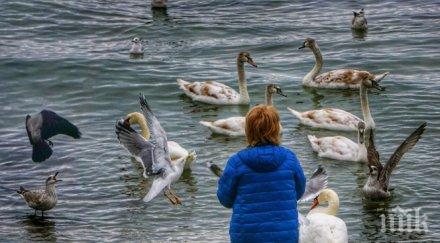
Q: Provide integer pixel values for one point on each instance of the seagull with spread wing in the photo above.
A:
(153, 154)
(378, 181)
(44, 125)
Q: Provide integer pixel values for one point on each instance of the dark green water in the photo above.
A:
(72, 57)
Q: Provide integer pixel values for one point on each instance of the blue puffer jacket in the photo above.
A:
(262, 184)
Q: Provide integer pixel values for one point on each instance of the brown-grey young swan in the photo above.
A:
(336, 79)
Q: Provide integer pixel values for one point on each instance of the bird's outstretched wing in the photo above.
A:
(315, 184)
(136, 145)
(158, 137)
(54, 124)
(408, 144)
(372, 154)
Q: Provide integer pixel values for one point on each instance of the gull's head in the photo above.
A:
(245, 56)
(359, 14)
(308, 42)
(51, 180)
(136, 40)
(274, 89)
(373, 170)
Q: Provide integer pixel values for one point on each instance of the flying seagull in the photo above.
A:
(44, 125)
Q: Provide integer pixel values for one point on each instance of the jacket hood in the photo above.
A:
(264, 158)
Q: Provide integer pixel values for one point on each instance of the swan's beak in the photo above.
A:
(250, 61)
(280, 92)
(314, 204)
(303, 46)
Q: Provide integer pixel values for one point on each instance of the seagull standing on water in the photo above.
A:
(43, 126)
(153, 153)
(42, 199)
(136, 47)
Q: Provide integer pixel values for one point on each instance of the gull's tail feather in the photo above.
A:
(158, 185)
(41, 151)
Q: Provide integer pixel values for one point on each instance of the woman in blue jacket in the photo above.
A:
(262, 183)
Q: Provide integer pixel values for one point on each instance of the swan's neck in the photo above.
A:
(318, 65)
(368, 119)
(333, 206)
(268, 97)
(138, 118)
(242, 85)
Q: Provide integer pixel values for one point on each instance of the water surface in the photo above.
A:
(72, 57)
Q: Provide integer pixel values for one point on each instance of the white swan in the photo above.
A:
(321, 223)
(336, 79)
(359, 22)
(176, 151)
(217, 93)
(234, 126)
(341, 148)
(337, 119)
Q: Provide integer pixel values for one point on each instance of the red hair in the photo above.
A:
(263, 126)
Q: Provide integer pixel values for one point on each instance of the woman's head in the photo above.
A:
(263, 126)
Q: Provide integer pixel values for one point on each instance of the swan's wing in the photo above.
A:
(408, 144)
(158, 137)
(136, 144)
(54, 124)
(315, 184)
(372, 154)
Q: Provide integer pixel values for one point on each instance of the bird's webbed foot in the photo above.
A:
(174, 199)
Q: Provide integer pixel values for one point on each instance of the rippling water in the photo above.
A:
(72, 57)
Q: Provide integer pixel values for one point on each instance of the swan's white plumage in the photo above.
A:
(338, 148)
(210, 92)
(176, 152)
(329, 118)
(323, 228)
(232, 126)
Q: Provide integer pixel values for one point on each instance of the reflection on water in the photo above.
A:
(359, 34)
(39, 229)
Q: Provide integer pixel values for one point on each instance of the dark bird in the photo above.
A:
(43, 126)
(42, 199)
(214, 169)
(376, 186)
